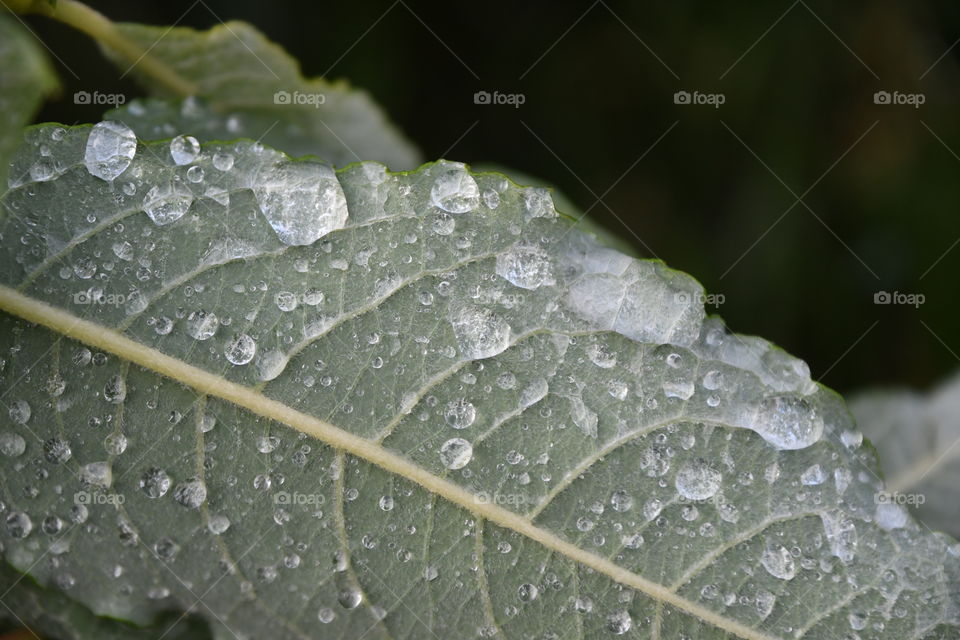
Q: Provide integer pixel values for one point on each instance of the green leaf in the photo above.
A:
(27, 77)
(449, 413)
(917, 437)
(249, 87)
(565, 205)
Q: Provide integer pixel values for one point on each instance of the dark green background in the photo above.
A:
(598, 99)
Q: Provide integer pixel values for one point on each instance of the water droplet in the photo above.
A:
(526, 267)
(455, 191)
(456, 453)
(184, 149)
(527, 592)
(115, 391)
(271, 364)
(350, 598)
(480, 333)
(697, 480)
(621, 501)
(57, 451)
(110, 149)
(19, 524)
(891, 516)
(460, 414)
(223, 161)
(241, 349)
(191, 493)
(788, 422)
(12, 444)
(266, 444)
(286, 301)
(619, 623)
(218, 524)
(778, 562)
(20, 411)
(764, 603)
(303, 201)
(167, 202)
(813, 475)
(96, 474)
(155, 482)
(202, 325)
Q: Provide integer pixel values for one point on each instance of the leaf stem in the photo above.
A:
(105, 31)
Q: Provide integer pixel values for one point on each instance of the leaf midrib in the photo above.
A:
(71, 326)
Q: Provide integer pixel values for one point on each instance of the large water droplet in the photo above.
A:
(619, 623)
(788, 422)
(155, 482)
(20, 411)
(271, 364)
(19, 524)
(202, 325)
(455, 191)
(12, 444)
(110, 149)
(191, 493)
(778, 562)
(480, 333)
(460, 414)
(697, 480)
(115, 391)
(456, 453)
(526, 267)
(184, 149)
(302, 201)
(96, 474)
(241, 349)
(167, 202)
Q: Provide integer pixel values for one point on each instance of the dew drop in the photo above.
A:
(202, 325)
(110, 149)
(184, 149)
(271, 364)
(167, 202)
(303, 201)
(241, 349)
(788, 422)
(218, 524)
(19, 524)
(525, 267)
(455, 191)
(697, 480)
(619, 623)
(20, 412)
(12, 444)
(190, 493)
(456, 453)
(460, 414)
(155, 482)
(778, 562)
(480, 333)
